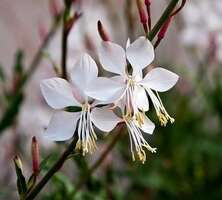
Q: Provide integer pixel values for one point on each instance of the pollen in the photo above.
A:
(86, 134)
(137, 142)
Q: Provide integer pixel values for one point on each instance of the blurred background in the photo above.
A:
(188, 163)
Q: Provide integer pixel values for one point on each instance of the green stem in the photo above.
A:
(36, 60)
(70, 148)
(162, 19)
(56, 167)
(9, 113)
(65, 33)
(99, 161)
(64, 50)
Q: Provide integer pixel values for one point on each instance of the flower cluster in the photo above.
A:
(105, 102)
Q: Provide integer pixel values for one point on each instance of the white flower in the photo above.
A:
(60, 94)
(137, 141)
(128, 87)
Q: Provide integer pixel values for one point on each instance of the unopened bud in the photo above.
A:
(102, 32)
(163, 31)
(164, 28)
(35, 156)
(18, 162)
(148, 3)
(142, 14)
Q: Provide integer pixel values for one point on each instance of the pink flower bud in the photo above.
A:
(102, 32)
(148, 3)
(35, 156)
(142, 14)
(163, 31)
(164, 28)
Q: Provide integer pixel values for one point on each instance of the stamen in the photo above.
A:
(160, 109)
(137, 141)
(87, 137)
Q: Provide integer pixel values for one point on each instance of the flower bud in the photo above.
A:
(35, 156)
(102, 32)
(18, 162)
(163, 31)
(142, 14)
(148, 3)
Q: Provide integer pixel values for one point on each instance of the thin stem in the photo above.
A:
(65, 33)
(70, 148)
(64, 50)
(99, 161)
(56, 167)
(38, 56)
(28, 74)
(166, 14)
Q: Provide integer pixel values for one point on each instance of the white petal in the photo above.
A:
(148, 126)
(141, 99)
(84, 71)
(104, 119)
(105, 89)
(62, 126)
(58, 93)
(160, 79)
(140, 53)
(112, 57)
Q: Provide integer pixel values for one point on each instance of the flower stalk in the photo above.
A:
(56, 167)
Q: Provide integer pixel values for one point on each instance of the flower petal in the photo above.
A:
(112, 57)
(104, 119)
(105, 89)
(160, 79)
(140, 53)
(58, 93)
(148, 126)
(84, 71)
(62, 126)
(141, 99)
